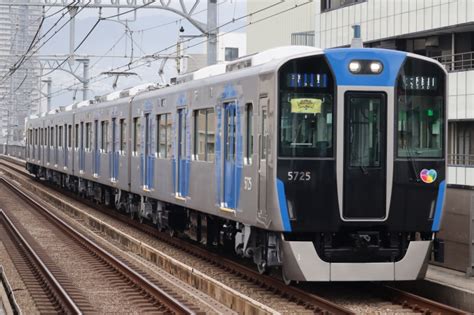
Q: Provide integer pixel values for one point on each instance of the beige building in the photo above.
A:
(284, 24)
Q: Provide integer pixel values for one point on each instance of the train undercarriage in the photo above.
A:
(231, 237)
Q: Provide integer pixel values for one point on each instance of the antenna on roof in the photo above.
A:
(356, 40)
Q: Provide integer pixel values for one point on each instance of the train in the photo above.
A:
(324, 165)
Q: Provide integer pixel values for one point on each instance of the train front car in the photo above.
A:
(361, 164)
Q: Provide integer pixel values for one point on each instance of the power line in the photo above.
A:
(98, 78)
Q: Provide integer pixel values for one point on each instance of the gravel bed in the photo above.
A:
(71, 259)
(22, 296)
(263, 296)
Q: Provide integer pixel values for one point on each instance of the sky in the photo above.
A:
(152, 30)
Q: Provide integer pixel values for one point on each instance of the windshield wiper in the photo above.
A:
(413, 164)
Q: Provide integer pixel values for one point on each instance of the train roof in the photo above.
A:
(270, 58)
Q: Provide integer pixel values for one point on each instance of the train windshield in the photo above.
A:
(306, 92)
(421, 110)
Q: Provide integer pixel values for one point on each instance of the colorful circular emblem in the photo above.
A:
(428, 176)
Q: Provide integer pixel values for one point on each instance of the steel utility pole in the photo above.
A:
(212, 32)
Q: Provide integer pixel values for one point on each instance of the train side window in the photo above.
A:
(69, 136)
(76, 136)
(88, 136)
(264, 133)
(249, 134)
(59, 136)
(136, 129)
(204, 134)
(104, 140)
(51, 136)
(164, 122)
(199, 135)
(123, 141)
(210, 134)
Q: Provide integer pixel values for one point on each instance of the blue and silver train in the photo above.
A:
(327, 164)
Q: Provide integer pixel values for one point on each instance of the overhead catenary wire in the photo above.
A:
(98, 78)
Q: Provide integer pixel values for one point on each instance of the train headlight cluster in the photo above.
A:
(355, 66)
(365, 67)
(376, 67)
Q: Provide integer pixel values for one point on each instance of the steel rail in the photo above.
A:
(418, 303)
(65, 301)
(154, 291)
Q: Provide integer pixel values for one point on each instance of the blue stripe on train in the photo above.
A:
(439, 207)
(283, 206)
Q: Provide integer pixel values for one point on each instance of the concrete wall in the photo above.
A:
(455, 229)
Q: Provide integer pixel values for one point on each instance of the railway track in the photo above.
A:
(146, 296)
(310, 301)
(49, 294)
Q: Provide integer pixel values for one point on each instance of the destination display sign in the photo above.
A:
(302, 80)
(424, 83)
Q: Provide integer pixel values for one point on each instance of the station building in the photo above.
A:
(440, 29)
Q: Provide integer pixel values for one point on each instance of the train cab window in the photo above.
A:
(421, 109)
(123, 141)
(249, 133)
(306, 91)
(365, 121)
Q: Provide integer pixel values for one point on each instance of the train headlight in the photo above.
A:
(376, 67)
(355, 66)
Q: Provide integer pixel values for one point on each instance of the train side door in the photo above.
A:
(66, 151)
(365, 141)
(114, 152)
(181, 154)
(228, 183)
(96, 149)
(81, 148)
(262, 166)
(148, 158)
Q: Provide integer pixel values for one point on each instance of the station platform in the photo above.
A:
(444, 285)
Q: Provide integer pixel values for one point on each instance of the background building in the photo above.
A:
(279, 24)
(18, 26)
(230, 47)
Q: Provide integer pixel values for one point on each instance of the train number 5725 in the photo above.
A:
(299, 176)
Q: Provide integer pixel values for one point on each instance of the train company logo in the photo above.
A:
(428, 176)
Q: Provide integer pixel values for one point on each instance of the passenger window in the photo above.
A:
(60, 136)
(123, 141)
(69, 142)
(249, 133)
(136, 130)
(51, 137)
(104, 126)
(204, 134)
(164, 125)
(76, 137)
(88, 136)
(263, 145)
